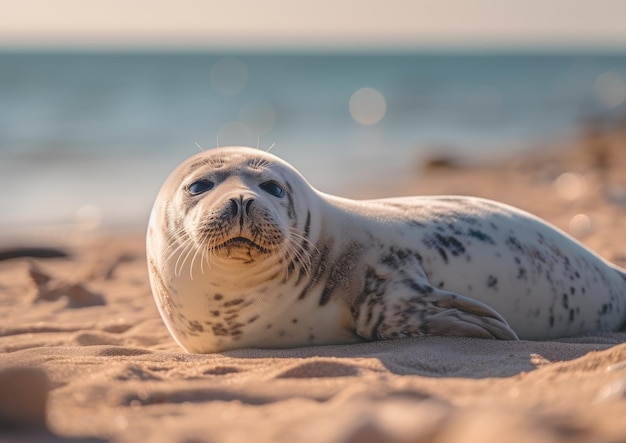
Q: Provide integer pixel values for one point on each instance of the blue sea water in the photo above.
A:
(91, 136)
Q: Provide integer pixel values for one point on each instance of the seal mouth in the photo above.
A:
(243, 243)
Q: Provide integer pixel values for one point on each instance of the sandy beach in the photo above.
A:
(84, 355)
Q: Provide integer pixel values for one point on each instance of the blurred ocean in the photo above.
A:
(88, 138)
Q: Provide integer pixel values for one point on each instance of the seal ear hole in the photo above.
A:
(200, 186)
(273, 188)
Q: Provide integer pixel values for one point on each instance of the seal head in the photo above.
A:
(225, 229)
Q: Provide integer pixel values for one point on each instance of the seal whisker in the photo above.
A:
(293, 251)
(193, 260)
(204, 247)
(305, 241)
(177, 269)
(203, 258)
(175, 246)
(186, 251)
(303, 257)
(206, 253)
(261, 161)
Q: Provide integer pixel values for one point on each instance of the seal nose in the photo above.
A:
(241, 206)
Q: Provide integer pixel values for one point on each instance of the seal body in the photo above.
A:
(243, 252)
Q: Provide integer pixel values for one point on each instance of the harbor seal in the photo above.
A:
(243, 252)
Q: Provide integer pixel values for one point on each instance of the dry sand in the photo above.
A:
(85, 357)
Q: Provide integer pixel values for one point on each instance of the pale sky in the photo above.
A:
(314, 24)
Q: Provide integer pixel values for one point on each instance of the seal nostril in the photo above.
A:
(234, 207)
(248, 205)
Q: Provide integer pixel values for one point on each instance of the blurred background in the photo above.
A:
(100, 100)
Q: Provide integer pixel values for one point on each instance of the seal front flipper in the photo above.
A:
(408, 308)
(462, 316)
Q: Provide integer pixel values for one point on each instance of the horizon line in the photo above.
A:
(306, 49)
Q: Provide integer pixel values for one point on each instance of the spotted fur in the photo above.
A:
(239, 267)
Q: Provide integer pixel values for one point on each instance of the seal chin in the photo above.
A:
(241, 249)
(243, 243)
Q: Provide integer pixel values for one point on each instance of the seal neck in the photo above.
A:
(225, 273)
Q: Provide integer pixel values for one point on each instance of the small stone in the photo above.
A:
(23, 398)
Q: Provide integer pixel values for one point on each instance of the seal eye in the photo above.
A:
(273, 188)
(200, 186)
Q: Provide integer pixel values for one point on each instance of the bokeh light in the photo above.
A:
(258, 116)
(580, 225)
(229, 76)
(570, 185)
(367, 106)
(610, 88)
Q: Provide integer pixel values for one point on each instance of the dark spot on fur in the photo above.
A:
(492, 282)
(374, 289)
(195, 326)
(480, 236)
(374, 335)
(215, 313)
(416, 224)
(341, 270)
(218, 297)
(307, 226)
(319, 267)
(444, 245)
(417, 287)
(234, 302)
(397, 258)
(291, 210)
(219, 330)
(513, 243)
